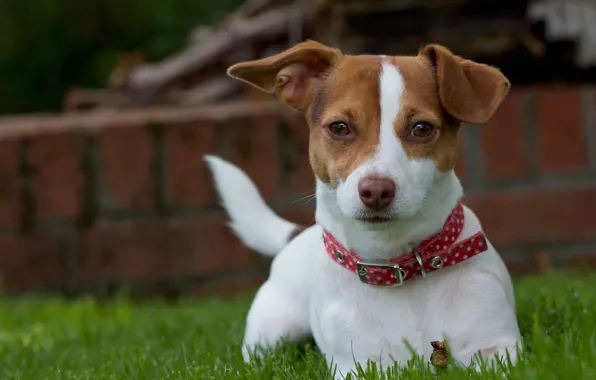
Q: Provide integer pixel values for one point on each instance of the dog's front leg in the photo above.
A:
(275, 315)
(484, 326)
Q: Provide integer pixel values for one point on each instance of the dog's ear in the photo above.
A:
(292, 74)
(469, 91)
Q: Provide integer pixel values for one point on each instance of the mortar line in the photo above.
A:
(530, 132)
(89, 162)
(160, 201)
(27, 198)
(588, 102)
(474, 157)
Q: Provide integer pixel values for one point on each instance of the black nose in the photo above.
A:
(376, 192)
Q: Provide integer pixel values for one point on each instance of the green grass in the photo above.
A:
(200, 339)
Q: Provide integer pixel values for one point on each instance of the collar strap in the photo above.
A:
(439, 251)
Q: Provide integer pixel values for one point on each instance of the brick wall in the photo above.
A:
(92, 202)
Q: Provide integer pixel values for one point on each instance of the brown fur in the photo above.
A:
(356, 102)
(293, 74)
(469, 91)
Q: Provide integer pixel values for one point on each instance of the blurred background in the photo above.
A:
(107, 107)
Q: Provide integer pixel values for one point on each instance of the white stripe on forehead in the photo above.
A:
(391, 89)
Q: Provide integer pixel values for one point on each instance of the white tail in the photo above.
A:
(252, 219)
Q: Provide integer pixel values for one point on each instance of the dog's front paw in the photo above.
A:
(252, 352)
(495, 358)
(246, 355)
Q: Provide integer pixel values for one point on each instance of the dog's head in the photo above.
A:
(383, 130)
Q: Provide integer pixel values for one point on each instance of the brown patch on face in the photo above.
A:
(350, 94)
(318, 105)
(420, 102)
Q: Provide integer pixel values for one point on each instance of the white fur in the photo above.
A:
(252, 220)
(308, 294)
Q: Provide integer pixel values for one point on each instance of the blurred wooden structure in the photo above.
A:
(530, 40)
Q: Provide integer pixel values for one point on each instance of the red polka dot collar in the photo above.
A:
(439, 251)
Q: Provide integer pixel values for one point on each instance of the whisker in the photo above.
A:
(306, 198)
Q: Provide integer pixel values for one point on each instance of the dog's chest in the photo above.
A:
(352, 318)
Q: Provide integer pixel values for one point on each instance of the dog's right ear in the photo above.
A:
(292, 74)
(469, 91)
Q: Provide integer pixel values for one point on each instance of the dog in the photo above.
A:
(395, 259)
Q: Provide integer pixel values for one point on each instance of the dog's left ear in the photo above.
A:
(292, 75)
(469, 91)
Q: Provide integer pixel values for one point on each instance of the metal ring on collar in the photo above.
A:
(419, 259)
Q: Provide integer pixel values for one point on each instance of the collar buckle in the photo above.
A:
(399, 273)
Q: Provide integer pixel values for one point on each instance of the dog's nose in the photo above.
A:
(376, 192)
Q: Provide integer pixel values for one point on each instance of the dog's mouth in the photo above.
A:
(375, 219)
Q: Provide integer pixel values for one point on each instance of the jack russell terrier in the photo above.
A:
(394, 256)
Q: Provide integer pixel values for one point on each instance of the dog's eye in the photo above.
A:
(339, 129)
(421, 131)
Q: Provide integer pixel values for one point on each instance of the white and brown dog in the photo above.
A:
(394, 255)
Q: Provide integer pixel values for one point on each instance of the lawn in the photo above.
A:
(45, 338)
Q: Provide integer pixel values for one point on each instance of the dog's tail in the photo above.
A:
(252, 220)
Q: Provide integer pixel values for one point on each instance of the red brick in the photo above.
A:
(59, 180)
(161, 248)
(561, 138)
(29, 262)
(126, 155)
(521, 266)
(228, 288)
(503, 140)
(302, 178)
(10, 201)
(520, 217)
(526, 261)
(461, 169)
(296, 214)
(190, 181)
(252, 145)
(584, 261)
